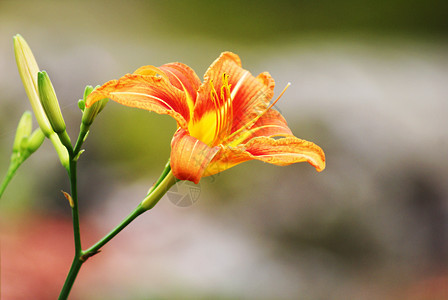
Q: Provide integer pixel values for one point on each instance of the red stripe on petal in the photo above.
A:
(280, 152)
(227, 63)
(252, 99)
(182, 77)
(271, 124)
(153, 93)
(250, 95)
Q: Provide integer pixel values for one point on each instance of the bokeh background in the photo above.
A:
(369, 85)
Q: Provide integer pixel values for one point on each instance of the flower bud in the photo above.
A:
(23, 130)
(35, 140)
(28, 69)
(50, 102)
(81, 104)
(91, 112)
(89, 89)
(51, 107)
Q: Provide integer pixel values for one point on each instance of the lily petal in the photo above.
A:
(151, 71)
(286, 151)
(153, 93)
(189, 156)
(183, 77)
(252, 98)
(227, 63)
(250, 95)
(281, 152)
(180, 75)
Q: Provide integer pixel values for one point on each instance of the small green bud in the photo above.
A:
(50, 102)
(51, 106)
(81, 104)
(23, 130)
(91, 112)
(89, 89)
(35, 140)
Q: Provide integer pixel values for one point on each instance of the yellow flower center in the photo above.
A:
(215, 124)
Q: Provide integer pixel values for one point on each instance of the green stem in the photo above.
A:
(159, 189)
(72, 274)
(84, 130)
(96, 248)
(74, 206)
(13, 166)
(72, 172)
(77, 261)
(153, 197)
(162, 176)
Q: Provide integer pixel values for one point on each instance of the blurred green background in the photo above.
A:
(369, 85)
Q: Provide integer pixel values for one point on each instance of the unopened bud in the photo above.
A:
(81, 104)
(35, 140)
(87, 91)
(91, 112)
(23, 130)
(50, 102)
(28, 69)
(51, 106)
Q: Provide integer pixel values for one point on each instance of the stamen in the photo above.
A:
(214, 97)
(278, 98)
(226, 106)
(251, 123)
(223, 109)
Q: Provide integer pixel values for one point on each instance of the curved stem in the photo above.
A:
(159, 190)
(162, 176)
(153, 197)
(81, 137)
(96, 248)
(13, 166)
(72, 172)
(162, 185)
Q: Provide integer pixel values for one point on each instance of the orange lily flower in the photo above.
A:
(222, 122)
